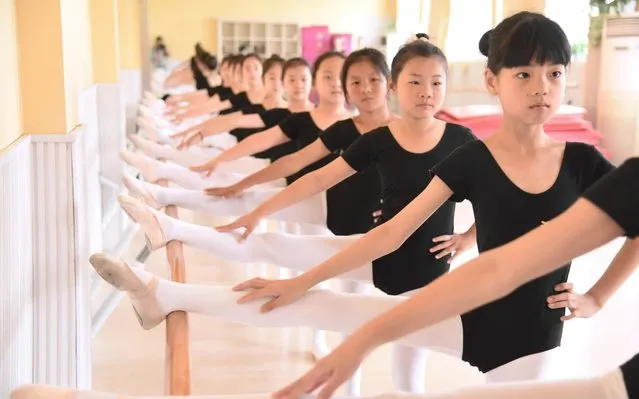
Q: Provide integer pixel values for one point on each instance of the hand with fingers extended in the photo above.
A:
(329, 373)
(206, 168)
(249, 222)
(454, 244)
(281, 292)
(192, 139)
(227, 192)
(181, 135)
(579, 305)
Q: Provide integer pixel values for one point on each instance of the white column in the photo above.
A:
(16, 268)
(61, 246)
(108, 117)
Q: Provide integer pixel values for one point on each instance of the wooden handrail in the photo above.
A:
(177, 375)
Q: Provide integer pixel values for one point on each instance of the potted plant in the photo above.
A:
(600, 10)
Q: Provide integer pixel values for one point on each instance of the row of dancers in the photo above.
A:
(537, 202)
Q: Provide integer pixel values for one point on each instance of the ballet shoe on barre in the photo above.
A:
(142, 163)
(119, 274)
(144, 145)
(149, 223)
(137, 190)
(148, 128)
(160, 134)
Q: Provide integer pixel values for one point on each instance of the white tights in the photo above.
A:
(310, 211)
(316, 310)
(270, 248)
(607, 386)
(228, 173)
(193, 156)
(291, 251)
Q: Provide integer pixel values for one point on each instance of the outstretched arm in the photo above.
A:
(384, 238)
(310, 184)
(236, 120)
(286, 166)
(486, 278)
(491, 275)
(256, 143)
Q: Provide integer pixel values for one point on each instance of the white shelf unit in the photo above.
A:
(270, 38)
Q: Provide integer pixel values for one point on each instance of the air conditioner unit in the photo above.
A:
(618, 99)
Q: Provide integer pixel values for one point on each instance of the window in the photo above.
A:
(408, 16)
(468, 21)
(574, 18)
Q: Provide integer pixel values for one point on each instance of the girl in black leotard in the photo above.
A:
(250, 74)
(223, 91)
(516, 180)
(605, 211)
(351, 203)
(301, 128)
(402, 159)
(297, 77)
(292, 77)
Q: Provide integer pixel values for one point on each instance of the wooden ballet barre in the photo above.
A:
(177, 375)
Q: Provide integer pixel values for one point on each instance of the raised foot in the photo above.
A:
(143, 296)
(141, 214)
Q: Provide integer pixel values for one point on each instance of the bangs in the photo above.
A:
(536, 42)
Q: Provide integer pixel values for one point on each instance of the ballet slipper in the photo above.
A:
(137, 190)
(142, 215)
(145, 167)
(143, 298)
(159, 133)
(148, 128)
(144, 145)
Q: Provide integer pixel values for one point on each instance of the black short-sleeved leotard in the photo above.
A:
(239, 102)
(521, 323)
(271, 118)
(403, 176)
(223, 92)
(301, 129)
(617, 194)
(630, 373)
(351, 202)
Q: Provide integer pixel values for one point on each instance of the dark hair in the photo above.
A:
(294, 63)
(416, 48)
(325, 56)
(226, 59)
(236, 61)
(271, 62)
(370, 55)
(249, 56)
(524, 38)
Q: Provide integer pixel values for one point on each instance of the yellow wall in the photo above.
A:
(78, 63)
(54, 55)
(182, 23)
(10, 123)
(129, 34)
(104, 40)
(41, 66)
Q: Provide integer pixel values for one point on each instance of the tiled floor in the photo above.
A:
(233, 359)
